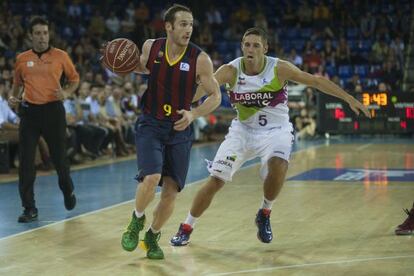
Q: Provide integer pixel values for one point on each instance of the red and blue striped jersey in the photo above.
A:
(171, 86)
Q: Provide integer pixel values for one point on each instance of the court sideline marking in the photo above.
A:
(311, 264)
(126, 202)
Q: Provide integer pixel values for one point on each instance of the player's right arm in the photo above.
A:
(143, 58)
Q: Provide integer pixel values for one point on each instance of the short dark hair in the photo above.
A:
(256, 31)
(37, 20)
(169, 15)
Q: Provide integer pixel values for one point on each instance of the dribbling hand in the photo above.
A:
(185, 121)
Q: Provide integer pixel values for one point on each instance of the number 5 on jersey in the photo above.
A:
(262, 120)
(167, 109)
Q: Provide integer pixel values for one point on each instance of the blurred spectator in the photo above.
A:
(383, 87)
(305, 125)
(353, 82)
(289, 16)
(380, 51)
(321, 72)
(321, 15)
(216, 59)
(142, 12)
(97, 24)
(328, 50)
(214, 17)
(205, 38)
(242, 15)
(9, 132)
(305, 14)
(261, 21)
(295, 58)
(368, 25)
(313, 60)
(343, 52)
(157, 25)
(113, 24)
(397, 46)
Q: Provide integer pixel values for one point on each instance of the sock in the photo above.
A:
(267, 204)
(153, 230)
(138, 214)
(190, 220)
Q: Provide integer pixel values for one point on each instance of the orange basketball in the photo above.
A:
(121, 56)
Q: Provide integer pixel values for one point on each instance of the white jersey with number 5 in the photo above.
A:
(261, 129)
(260, 100)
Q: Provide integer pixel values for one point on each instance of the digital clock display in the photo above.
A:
(380, 99)
(390, 112)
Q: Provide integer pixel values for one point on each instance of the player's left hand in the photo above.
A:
(357, 107)
(60, 94)
(185, 121)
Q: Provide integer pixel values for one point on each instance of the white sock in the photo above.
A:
(153, 230)
(190, 220)
(267, 204)
(138, 214)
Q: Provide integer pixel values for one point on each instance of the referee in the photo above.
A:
(38, 71)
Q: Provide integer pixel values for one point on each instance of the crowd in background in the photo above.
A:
(357, 44)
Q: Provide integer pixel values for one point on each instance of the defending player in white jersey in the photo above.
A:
(257, 89)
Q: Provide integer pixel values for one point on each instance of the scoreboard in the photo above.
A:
(390, 112)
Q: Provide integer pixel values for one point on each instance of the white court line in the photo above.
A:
(311, 264)
(364, 146)
(126, 202)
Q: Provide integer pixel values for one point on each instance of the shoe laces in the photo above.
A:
(152, 239)
(134, 225)
(265, 219)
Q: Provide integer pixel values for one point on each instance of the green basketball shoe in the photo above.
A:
(130, 237)
(150, 245)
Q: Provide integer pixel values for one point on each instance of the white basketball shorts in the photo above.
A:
(243, 143)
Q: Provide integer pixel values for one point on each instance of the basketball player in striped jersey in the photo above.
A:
(163, 134)
(257, 88)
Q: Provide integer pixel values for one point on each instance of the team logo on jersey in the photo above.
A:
(160, 54)
(241, 81)
(30, 64)
(184, 66)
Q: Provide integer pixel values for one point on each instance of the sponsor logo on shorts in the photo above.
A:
(279, 152)
(219, 171)
(231, 158)
(225, 163)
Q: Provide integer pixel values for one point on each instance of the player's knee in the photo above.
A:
(215, 184)
(168, 196)
(276, 162)
(151, 180)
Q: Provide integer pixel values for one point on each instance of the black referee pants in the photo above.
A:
(47, 120)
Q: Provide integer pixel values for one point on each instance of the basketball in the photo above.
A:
(121, 56)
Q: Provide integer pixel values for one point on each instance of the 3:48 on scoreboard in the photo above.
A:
(390, 112)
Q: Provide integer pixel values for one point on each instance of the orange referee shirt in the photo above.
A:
(40, 76)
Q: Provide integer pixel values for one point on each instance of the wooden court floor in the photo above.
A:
(320, 227)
